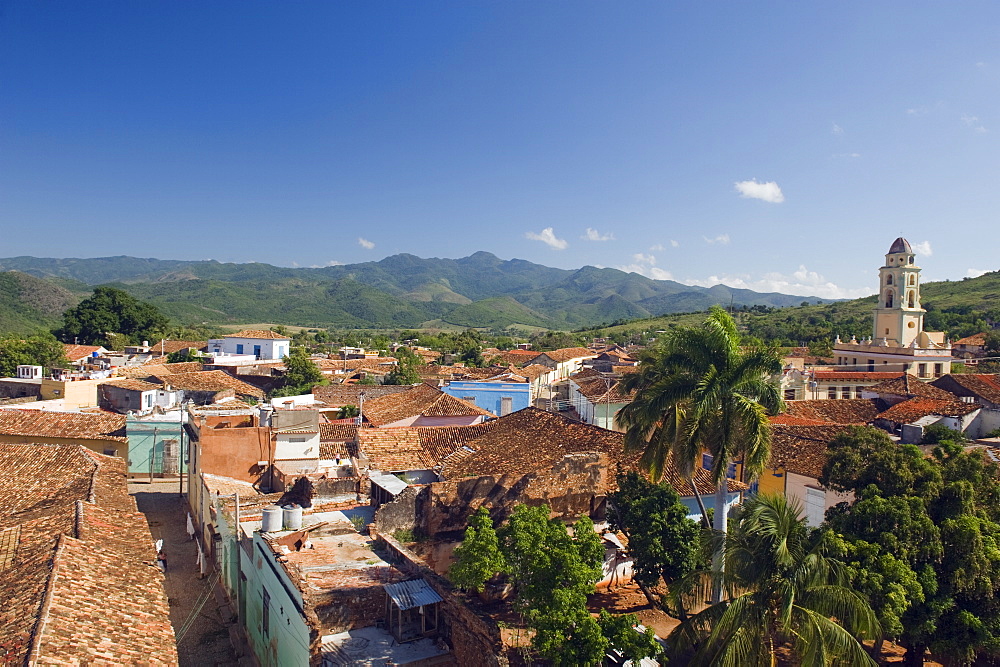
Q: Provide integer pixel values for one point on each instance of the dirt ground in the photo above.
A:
(207, 642)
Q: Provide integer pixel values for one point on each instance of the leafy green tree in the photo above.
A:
(937, 517)
(478, 559)
(703, 388)
(992, 342)
(405, 371)
(662, 541)
(553, 572)
(33, 351)
(301, 374)
(187, 354)
(783, 589)
(624, 637)
(111, 310)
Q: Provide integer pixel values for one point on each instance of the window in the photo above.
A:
(857, 392)
(937, 370)
(845, 392)
(469, 399)
(913, 279)
(149, 400)
(296, 440)
(506, 404)
(789, 394)
(871, 365)
(888, 299)
(854, 362)
(831, 392)
(922, 370)
(239, 348)
(910, 300)
(265, 618)
(256, 351)
(111, 452)
(888, 280)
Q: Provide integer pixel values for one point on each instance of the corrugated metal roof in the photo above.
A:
(390, 483)
(410, 594)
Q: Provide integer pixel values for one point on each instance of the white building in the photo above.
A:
(253, 343)
(899, 342)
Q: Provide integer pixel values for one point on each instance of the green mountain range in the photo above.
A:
(403, 290)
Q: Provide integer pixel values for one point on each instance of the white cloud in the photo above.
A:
(923, 248)
(972, 122)
(721, 239)
(295, 264)
(673, 243)
(769, 192)
(365, 243)
(332, 262)
(594, 235)
(980, 64)
(847, 155)
(645, 265)
(548, 237)
(974, 273)
(836, 129)
(657, 247)
(802, 282)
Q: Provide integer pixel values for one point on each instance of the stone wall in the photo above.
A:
(474, 639)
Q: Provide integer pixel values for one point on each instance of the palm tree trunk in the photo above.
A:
(701, 503)
(721, 520)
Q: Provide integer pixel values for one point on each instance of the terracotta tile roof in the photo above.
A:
(394, 449)
(585, 374)
(50, 424)
(913, 409)
(907, 385)
(791, 420)
(81, 588)
(601, 390)
(567, 353)
(340, 395)
(532, 372)
(335, 450)
(337, 432)
(259, 334)
(512, 357)
(531, 440)
(131, 383)
(78, 352)
(867, 376)
(975, 339)
(621, 370)
(419, 400)
(154, 367)
(171, 346)
(802, 449)
(833, 411)
(984, 386)
(441, 441)
(210, 381)
(414, 448)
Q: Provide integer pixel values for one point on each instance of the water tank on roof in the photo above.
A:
(94, 354)
(293, 517)
(271, 521)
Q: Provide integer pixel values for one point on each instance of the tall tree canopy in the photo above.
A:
(704, 388)
(301, 374)
(33, 351)
(784, 589)
(111, 311)
(922, 541)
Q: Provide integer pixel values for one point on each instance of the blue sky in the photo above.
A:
(775, 146)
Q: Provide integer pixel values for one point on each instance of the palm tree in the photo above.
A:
(782, 591)
(702, 389)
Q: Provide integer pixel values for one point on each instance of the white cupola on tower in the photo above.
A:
(898, 315)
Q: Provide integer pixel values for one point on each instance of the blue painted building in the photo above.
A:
(500, 398)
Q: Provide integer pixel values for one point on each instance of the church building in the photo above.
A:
(898, 342)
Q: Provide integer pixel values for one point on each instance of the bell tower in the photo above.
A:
(898, 316)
